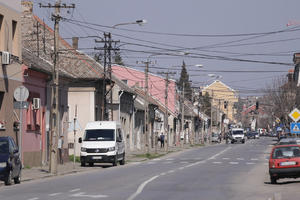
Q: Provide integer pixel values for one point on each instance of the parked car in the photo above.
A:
(284, 162)
(216, 137)
(256, 135)
(10, 162)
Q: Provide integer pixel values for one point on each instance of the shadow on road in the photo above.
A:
(284, 183)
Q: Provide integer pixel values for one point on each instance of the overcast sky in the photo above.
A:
(236, 39)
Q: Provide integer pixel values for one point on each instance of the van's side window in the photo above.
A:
(119, 135)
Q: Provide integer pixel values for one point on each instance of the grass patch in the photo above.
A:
(77, 158)
(27, 167)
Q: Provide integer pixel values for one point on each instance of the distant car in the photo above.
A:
(284, 162)
(10, 163)
(216, 137)
(251, 135)
(237, 135)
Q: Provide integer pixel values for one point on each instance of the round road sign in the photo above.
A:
(21, 93)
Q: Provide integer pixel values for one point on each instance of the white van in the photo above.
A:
(237, 135)
(102, 142)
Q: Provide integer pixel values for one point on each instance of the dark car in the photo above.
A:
(10, 163)
(251, 135)
(284, 162)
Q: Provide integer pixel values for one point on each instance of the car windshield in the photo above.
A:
(4, 146)
(237, 132)
(100, 135)
(287, 141)
(286, 152)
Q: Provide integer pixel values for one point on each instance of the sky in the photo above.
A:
(246, 43)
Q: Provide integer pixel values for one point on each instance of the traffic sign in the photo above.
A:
(295, 115)
(21, 93)
(21, 105)
(295, 127)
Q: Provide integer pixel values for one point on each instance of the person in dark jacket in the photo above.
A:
(162, 140)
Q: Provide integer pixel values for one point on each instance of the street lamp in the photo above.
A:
(139, 22)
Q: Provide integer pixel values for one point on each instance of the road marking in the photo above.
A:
(250, 163)
(168, 162)
(151, 163)
(141, 187)
(225, 158)
(75, 190)
(157, 159)
(253, 159)
(233, 163)
(266, 164)
(181, 168)
(217, 162)
(171, 171)
(170, 159)
(35, 198)
(54, 194)
(184, 162)
(240, 159)
(82, 194)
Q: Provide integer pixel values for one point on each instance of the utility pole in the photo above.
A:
(182, 114)
(75, 121)
(146, 114)
(166, 107)
(211, 115)
(54, 116)
(107, 48)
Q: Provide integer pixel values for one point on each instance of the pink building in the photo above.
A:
(156, 85)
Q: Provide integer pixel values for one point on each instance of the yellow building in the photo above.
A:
(223, 98)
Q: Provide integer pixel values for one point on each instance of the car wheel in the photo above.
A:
(17, 179)
(122, 162)
(91, 164)
(115, 162)
(273, 180)
(82, 164)
(8, 180)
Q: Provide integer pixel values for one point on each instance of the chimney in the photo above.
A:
(75, 42)
(27, 7)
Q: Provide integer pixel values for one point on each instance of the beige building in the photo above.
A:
(10, 61)
(223, 98)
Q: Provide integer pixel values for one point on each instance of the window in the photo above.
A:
(1, 99)
(99, 135)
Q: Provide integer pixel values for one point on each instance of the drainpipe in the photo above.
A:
(120, 95)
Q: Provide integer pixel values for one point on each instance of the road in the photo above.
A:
(216, 172)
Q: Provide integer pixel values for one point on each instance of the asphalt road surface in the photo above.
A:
(217, 172)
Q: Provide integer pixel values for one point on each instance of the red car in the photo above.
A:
(284, 162)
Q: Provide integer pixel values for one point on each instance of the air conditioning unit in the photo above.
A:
(36, 103)
(5, 58)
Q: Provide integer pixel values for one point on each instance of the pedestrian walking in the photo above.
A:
(162, 140)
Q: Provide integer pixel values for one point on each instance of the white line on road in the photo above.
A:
(157, 159)
(171, 171)
(250, 163)
(184, 162)
(217, 162)
(141, 187)
(225, 158)
(82, 194)
(75, 190)
(240, 159)
(170, 159)
(55, 194)
(254, 159)
(35, 198)
(233, 163)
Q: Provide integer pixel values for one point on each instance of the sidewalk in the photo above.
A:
(41, 172)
